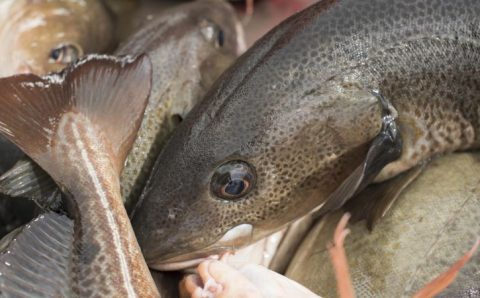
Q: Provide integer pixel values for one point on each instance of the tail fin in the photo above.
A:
(108, 93)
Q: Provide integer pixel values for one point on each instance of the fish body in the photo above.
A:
(79, 125)
(189, 45)
(428, 228)
(44, 36)
(336, 96)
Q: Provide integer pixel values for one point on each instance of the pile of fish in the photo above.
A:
(138, 148)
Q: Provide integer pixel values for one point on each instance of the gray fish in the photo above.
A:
(189, 46)
(340, 95)
(433, 222)
(79, 126)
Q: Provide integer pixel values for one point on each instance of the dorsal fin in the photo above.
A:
(109, 93)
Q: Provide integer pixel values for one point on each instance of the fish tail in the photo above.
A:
(99, 97)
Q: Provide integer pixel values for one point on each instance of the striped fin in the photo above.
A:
(27, 180)
(38, 261)
(109, 92)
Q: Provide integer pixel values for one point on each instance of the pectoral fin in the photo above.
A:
(28, 180)
(37, 262)
(385, 148)
(376, 199)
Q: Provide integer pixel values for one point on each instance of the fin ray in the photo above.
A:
(385, 148)
(50, 276)
(110, 92)
(28, 180)
(375, 200)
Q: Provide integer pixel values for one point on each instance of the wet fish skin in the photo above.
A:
(31, 30)
(181, 80)
(297, 108)
(429, 227)
(80, 128)
(189, 45)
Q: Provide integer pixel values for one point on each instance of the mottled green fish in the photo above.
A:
(342, 94)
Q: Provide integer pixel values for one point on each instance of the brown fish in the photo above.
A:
(189, 45)
(78, 125)
(338, 96)
(41, 36)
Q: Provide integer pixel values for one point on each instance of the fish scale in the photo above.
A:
(298, 109)
(186, 63)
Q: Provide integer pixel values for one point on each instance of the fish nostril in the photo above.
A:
(176, 119)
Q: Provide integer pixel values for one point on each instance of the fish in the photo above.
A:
(219, 278)
(340, 96)
(189, 46)
(44, 36)
(427, 229)
(14, 213)
(78, 125)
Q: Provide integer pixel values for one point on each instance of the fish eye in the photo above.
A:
(64, 54)
(213, 33)
(233, 180)
(220, 38)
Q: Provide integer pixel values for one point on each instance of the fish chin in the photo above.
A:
(233, 239)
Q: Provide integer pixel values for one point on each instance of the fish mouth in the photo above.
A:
(233, 239)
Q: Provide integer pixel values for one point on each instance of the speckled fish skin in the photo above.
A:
(297, 107)
(432, 224)
(30, 30)
(79, 129)
(184, 47)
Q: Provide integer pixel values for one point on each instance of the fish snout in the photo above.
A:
(195, 249)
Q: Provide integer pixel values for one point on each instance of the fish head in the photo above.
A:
(45, 36)
(249, 159)
(276, 135)
(200, 40)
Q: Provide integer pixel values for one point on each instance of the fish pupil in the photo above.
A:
(233, 180)
(221, 38)
(55, 54)
(235, 187)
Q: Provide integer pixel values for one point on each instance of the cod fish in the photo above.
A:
(434, 220)
(78, 125)
(219, 279)
(42, 36)
(189, 46)
(338, 96)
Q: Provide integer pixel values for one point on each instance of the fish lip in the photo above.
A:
(235, 237)
(189, 260)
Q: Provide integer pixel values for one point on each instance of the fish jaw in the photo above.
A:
(238, 236)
